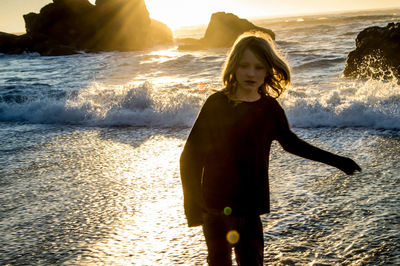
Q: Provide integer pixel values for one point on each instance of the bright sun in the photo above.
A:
(178, 13)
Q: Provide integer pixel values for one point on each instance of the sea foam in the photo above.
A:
(370, 104)
(100, 105)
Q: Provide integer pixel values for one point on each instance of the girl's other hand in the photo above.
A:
(348, 166)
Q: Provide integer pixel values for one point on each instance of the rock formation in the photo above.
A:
(68, 26)
(160, 32)
(222, 31)
(377, 53)
(121, 25)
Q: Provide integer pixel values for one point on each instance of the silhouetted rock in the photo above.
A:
(377, 53)
(122, 25)
(222, 31)
(8, 42)
(68, 26)
(224, 28)
(64, 23)
(160, 32)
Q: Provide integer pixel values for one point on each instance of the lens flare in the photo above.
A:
(227, 211)
(232, 237)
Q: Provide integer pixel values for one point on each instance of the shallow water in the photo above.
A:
(83, 196)
(320, 215)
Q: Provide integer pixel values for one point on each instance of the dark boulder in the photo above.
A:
(8, 43)
(160, 32)
(64, 22)
(377, 53)
(222, 31)
(224, 28)
(69, 26)
(122, 25)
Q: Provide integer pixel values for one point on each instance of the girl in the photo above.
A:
(224, 163)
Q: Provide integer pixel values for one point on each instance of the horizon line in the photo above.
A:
(277, 16)
(305, 14)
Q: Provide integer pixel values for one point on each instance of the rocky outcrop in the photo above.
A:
(9, 42)
(160, 32)
(222, 31)
(122, 25)
(68, 26)
(377, 53)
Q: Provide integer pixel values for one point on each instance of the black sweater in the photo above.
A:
(224, 162)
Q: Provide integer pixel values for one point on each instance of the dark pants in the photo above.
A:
(223, 232)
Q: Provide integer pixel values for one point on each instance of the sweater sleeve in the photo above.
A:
(191, 167)
(290, 142)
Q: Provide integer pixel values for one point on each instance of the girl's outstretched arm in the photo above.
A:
(293, 144)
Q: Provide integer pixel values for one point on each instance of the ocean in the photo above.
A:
(90, 146)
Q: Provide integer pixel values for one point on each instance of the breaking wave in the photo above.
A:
(97, 105)
(371, 104)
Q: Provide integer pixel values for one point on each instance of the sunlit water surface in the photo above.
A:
(83, 196)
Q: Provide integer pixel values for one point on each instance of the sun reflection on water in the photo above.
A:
(150, 228)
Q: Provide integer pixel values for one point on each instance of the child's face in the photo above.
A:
(250, 73)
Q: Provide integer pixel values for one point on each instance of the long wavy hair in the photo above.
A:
(278, 75)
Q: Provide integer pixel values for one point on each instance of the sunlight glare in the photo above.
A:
(177, 14)
(144, 224)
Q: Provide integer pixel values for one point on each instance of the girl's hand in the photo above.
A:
(348, 166)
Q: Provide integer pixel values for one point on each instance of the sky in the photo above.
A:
(178, 13)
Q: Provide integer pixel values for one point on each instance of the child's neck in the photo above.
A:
(247, 95)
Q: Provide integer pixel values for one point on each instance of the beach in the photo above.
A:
(90, 146)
